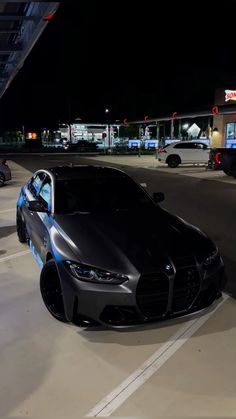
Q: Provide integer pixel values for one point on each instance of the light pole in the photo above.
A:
(108, 129)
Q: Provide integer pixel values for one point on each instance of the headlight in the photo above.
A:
(96, 275)
(212, 258)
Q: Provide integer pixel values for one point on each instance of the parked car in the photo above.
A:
(223, 159)
(184, 152)
(5, 172)
(121, 144)
(81, 146)
(110, 253)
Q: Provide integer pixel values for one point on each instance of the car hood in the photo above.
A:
(143, 240)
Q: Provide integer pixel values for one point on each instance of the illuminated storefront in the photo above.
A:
(224, 120)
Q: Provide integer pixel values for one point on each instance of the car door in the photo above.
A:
(185, 152)
(198, 153)
(192, 152)
(29, 193)
(203, 153)
(42, 220)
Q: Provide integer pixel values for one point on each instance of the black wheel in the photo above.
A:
(173, 161)
(227, 172)
(20, 228)
(50, 287)
(2, 179)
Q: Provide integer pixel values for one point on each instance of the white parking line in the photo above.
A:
(121, 393)
(15, 255)
(7, 210)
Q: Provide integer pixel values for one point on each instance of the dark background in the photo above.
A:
(146, 58)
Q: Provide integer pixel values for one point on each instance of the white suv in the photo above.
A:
(184, 152)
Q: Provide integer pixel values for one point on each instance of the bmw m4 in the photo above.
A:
(110, 253)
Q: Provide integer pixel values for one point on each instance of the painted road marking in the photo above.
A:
(121, 393)
(15, 255)
(7, 210)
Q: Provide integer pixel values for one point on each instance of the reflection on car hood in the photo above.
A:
(114, 241)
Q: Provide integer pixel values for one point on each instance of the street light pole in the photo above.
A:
(108, 130)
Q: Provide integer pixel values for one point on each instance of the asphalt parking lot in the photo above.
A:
(181, 368)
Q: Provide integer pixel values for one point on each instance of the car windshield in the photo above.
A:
(96, 194)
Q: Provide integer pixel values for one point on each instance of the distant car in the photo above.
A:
(5, 172)
(184, 152)
(223, 159)
(81, 146)
(110, 253)
(121, 144)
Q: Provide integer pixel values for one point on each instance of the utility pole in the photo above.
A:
(108, 129)
(157, 138)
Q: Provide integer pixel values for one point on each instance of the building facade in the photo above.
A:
(224, 120)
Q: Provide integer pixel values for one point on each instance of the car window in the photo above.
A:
(45, 192)
(198, 146)
(185, 146)
(35, 183)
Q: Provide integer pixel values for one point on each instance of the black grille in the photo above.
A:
(152, 294)
(186, 288)
(183, 261)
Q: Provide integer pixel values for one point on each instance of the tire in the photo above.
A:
(51, 291)
(2, 179)
(173, 161)
(227, 172)
(20, 228)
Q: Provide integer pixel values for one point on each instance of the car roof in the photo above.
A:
(80, 171)
(188, 141)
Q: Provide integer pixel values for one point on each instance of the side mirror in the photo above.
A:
(158, 197)
(37, 206)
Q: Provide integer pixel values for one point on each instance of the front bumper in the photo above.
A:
(130, 303)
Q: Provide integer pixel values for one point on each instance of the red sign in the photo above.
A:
(215, 110)
(31, 135)
(230, 95)
(125, 122)
(174, 115)
(146, 118)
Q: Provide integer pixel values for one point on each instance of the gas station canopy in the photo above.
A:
(21, 24)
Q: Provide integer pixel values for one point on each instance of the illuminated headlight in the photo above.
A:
(212, 258)
(91, 274)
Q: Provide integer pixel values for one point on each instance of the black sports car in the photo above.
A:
(110, 253)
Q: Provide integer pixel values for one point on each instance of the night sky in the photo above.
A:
(136, 60)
